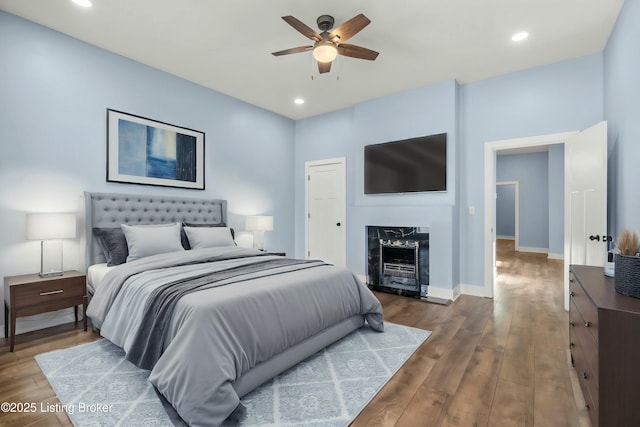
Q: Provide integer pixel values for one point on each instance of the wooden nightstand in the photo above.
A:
(31, 294)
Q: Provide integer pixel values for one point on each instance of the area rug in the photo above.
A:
(98, 387)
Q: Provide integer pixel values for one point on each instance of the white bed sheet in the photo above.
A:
(95, 273)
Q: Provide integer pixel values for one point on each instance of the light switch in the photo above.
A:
(472, 210)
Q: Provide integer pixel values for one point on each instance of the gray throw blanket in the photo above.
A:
(149, 341)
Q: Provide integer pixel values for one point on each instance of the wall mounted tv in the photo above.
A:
(406, 166)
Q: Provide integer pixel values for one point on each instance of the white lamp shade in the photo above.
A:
(47, 226)
(258, 223)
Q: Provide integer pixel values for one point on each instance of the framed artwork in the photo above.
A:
(145, 151)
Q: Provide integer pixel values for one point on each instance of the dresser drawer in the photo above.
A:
(48, 291)
(584, 305)
(586, 378)
(582, 338)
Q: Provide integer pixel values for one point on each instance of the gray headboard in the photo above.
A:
(112, 209)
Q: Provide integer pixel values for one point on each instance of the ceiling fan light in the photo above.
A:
(325, 52)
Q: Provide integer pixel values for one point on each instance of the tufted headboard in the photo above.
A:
(112, 209)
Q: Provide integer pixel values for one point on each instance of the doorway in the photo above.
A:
(508, 211)
(326, 211)
(584, 196)
(490, 150)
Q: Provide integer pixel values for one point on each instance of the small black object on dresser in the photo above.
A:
(604, 338)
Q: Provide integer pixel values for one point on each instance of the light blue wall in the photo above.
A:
(556, 200)
(506, 210)
(561, 97)
(54, 92)
(622, 111)
(424, 111)
(532, 172)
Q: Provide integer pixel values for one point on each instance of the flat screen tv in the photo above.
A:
(406, 166)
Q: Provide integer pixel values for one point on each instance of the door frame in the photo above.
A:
(343, 179)
(516, 191)
(490, 149)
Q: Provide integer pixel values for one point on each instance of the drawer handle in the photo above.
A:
(572, 294)
(59, 291)
(584, 375)
(587, 323)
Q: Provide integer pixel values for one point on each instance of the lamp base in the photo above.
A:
(51, 274)
(51, 258)
(258, 240)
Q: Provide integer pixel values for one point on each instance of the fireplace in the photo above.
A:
(398, 260)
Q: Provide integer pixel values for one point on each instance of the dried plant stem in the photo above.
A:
(628, 243)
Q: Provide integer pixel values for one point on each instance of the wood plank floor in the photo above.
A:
(489, 362)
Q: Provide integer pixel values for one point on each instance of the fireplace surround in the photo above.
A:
(398, 260)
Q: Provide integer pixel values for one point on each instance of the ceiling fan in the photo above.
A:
(327, 45)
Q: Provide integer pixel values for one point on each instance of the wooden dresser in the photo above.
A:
(604, 337)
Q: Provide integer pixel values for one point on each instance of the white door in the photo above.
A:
(586, 176)
(326, 237)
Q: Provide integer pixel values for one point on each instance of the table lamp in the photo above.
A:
(50, 229)
(258, 224)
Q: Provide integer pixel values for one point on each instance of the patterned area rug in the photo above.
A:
(98, 387)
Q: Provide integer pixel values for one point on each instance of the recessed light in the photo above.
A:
(518, 37)
(299, 101)
(83, 3)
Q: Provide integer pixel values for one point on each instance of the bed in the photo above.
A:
(229, 318)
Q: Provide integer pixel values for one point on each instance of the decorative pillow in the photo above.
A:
(209, 237)
(185, 240)
(146, 240)
(113, 245)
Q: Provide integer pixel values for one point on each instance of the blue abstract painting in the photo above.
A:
(155, 153)
(144, 151)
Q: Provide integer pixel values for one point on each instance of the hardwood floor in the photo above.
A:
(489, 362)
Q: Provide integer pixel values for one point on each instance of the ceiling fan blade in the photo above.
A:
(324, 67)
(302, 28)
(292, 50)
(354, 51)
(350, 28)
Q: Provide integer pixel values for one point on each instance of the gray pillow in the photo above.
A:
(147, 240)
(113, 245)
(209, 237)
(185, 240)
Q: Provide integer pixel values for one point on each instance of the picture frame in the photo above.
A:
(150, 152)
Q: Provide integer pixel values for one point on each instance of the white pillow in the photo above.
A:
(209, 237)
(146, 240)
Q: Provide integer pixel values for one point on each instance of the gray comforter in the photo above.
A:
(216, 335)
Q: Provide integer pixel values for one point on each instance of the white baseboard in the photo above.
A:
(534, 250)
(474, 290)
(441, 293)
(555, 256)
(450, 294)
(506, 237)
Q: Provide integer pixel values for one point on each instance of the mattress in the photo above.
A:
(95, 273)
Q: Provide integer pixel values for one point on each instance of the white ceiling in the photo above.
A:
(227, 45)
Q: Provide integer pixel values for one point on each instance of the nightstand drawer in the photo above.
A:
(48, 291)
(31, 294)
